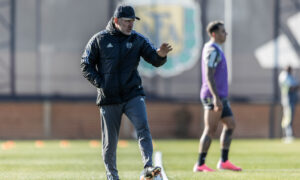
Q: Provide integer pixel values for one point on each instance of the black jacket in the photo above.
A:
(110, 62)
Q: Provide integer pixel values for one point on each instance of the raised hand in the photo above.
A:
(164, 49)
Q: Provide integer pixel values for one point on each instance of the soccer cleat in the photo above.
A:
(227, 165)
(202, 168)
(150, 172)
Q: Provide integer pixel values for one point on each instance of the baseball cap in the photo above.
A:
(125, 11)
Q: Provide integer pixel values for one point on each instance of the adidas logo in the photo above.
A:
(109, 45)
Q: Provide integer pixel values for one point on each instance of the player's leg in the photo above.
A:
(135, 109)
(110, 125)
(287, 121)
(226, 137)
(292, 119)
(211, 119)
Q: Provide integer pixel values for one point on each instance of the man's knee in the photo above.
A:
(143, 132)
(229, 123)
(210, 131)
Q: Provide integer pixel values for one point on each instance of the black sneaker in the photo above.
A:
(150, 172)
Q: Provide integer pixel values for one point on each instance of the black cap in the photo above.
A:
(125, 11)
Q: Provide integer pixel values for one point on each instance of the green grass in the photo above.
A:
(260, 160)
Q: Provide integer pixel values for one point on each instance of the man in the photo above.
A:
(289, 89)
(110, 62)
(214, 92)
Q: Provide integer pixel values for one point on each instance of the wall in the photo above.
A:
(80, 120)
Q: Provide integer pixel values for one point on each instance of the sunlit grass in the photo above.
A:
(82, 159)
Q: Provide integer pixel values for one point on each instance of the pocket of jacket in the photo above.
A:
(110, 85)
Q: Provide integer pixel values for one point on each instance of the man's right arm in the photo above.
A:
(211, 81)
(89, 59)
(212, 88)
(210, 73)
(149, 53)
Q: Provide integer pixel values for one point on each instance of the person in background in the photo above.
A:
(289, 88)
(214, 92)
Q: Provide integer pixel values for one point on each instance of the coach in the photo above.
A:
(110, 62)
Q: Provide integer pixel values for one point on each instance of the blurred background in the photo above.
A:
(43, 94)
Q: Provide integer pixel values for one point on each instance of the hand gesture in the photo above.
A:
(164, 49)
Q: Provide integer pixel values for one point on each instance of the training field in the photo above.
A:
(260, 159)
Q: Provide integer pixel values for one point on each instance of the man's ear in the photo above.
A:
(213, 34)
(116, 20)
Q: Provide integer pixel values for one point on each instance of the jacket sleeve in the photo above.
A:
(150, 55)
(89, 60)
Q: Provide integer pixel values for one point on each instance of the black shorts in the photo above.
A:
(208, 104)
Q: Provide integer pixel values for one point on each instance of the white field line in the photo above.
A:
(158, 162)
(271, 170)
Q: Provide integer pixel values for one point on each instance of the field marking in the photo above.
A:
(271, 170)
(158, 162)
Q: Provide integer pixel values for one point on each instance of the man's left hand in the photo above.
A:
(164, 49)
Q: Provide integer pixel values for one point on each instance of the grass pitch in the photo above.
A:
(45, 160)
